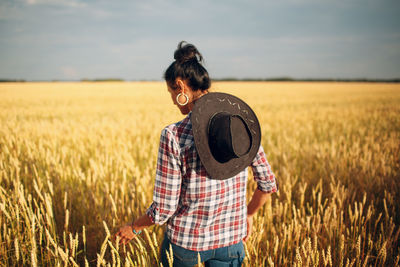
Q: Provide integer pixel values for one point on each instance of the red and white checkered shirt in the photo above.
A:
(201, 213)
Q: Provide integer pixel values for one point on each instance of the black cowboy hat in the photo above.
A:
(226, 133)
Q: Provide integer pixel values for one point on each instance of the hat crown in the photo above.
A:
(226, 133)
(228, 136)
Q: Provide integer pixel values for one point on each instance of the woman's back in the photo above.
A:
(201, 213)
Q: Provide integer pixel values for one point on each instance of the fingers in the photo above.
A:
(247, 235)
(122, 237)
(117, 234)
(124, 241)
(249, 228)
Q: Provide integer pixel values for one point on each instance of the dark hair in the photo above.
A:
(188, 67)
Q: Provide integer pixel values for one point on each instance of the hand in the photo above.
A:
(249, 228)
(125, 234)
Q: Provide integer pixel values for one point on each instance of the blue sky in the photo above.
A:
(134, 40)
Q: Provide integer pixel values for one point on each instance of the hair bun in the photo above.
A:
(187, 66)
(187, 52)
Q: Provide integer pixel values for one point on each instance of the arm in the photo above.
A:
(166, 189)
(266, 184)
(257, 201)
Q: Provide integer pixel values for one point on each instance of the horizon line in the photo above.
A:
(273, 79)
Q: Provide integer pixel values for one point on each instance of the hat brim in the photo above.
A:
(206, 107)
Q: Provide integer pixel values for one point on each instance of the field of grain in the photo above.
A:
(77, 160)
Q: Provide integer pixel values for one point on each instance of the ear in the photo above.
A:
(180, 85)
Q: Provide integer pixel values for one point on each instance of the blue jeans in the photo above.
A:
(232, 255)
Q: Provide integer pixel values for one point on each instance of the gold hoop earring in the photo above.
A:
(182, 104)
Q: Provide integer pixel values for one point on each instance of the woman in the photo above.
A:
(195, 194)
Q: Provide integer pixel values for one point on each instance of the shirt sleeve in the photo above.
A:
(168, 180)
(263, 174)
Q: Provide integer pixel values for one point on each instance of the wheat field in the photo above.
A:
(77, 160)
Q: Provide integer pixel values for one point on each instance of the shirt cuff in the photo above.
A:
(152, 212)
(267, 186)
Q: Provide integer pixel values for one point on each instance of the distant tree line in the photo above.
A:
(103, 80)
(11, 80)
(288, 79)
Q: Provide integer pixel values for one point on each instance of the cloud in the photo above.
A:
(68, 3)
(255, 38)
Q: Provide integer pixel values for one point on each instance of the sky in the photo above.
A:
(135, 40)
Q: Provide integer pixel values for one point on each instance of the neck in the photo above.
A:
(195, 97)
(200, 94)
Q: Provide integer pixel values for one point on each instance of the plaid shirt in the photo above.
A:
(201, 213)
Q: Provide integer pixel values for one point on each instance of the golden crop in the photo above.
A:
(77, 160)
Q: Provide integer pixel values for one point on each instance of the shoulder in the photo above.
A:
(180, 132)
